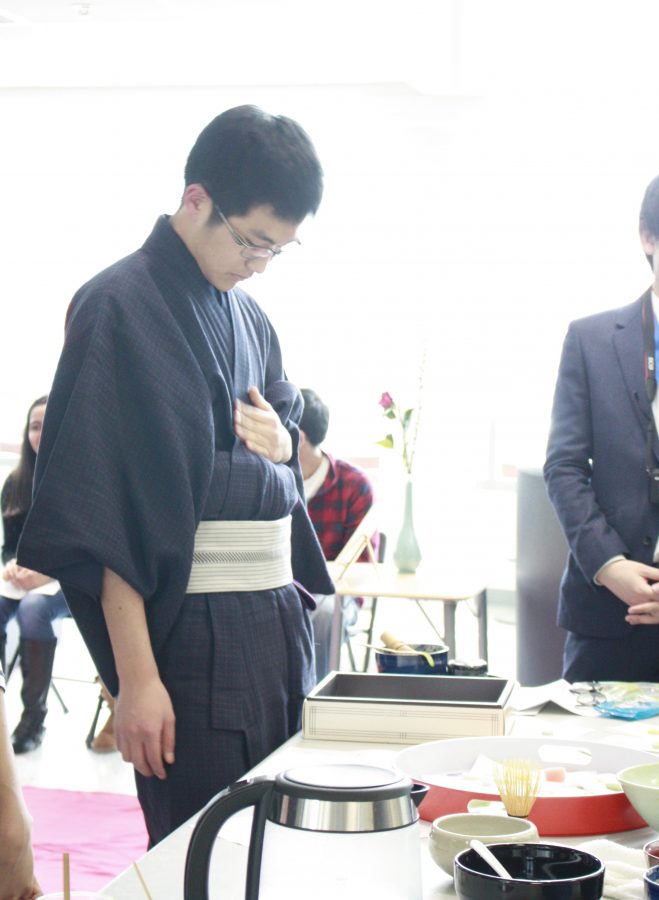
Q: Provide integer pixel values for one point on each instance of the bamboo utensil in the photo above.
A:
(518, 783)
(142, 882)
(395, 645)
(66, 872)
(400, 652)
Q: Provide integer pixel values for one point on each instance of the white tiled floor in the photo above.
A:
(64, 761)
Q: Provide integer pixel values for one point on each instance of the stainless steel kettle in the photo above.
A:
(348, 831)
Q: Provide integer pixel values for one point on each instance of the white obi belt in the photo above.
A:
(241, 556)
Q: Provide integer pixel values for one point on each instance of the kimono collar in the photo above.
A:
(165, 244)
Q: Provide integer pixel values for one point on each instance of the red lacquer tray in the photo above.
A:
(574, 815)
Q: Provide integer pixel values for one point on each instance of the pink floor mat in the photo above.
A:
(103, 834)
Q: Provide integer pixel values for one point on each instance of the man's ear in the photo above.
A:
(648, 241)
(303, 438)
(196, 201)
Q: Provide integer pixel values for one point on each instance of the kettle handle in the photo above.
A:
(418, 793)
(252, 792)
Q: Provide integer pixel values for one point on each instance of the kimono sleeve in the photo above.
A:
(125, 457)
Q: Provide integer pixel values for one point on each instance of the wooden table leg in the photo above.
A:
(449, 626)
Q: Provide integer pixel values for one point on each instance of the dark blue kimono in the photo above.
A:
(137, 447)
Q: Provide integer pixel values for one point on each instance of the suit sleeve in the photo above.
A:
(568, 467)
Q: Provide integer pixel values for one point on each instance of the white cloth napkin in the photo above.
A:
(624, 869)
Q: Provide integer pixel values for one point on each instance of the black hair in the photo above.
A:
(649, 215)
(245, 158)
(18, 494)
(315, 417)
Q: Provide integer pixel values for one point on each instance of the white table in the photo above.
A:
(163, 867)
(365, 579)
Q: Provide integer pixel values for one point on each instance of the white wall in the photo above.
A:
(482, 191)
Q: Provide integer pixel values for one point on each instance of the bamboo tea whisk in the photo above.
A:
(518, 782)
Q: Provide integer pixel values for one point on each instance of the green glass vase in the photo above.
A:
(407, 555)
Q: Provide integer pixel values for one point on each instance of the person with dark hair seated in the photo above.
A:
(36, 600)
(168, 494)
(338, 497)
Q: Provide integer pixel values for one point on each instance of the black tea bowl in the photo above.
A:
(407, 664)
(539, 872)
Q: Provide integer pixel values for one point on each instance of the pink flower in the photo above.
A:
(386, 401)
(407, 424)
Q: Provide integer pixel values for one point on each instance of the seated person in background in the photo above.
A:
(35, 606)
(338, 497)
(17, 881)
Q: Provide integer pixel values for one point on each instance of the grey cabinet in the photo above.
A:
(541, 556)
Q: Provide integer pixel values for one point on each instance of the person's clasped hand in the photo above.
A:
(637, 585)
(260, 429)
(645, 613)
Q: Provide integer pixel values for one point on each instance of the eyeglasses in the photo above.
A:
(248, 250)
(588, 693)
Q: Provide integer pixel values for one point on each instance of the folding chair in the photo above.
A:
(53, 686)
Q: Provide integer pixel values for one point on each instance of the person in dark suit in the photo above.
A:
(602, 451)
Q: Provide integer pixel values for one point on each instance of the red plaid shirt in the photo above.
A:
(342, 501)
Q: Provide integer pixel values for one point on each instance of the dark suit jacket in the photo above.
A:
(595, 467)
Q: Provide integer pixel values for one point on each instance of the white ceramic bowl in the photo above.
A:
(451, 834)
(641, 785)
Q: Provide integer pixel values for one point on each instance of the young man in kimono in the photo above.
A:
(168, 497)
